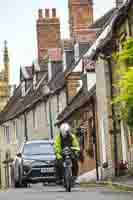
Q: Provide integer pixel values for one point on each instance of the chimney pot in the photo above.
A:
(46, 12)
(53, 12)
(40, 14)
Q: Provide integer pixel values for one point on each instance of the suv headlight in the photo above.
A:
(27, 162)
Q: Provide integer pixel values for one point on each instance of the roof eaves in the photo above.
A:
(119, 15)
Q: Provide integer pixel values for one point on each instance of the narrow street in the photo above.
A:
(66, 99)
(38, 192)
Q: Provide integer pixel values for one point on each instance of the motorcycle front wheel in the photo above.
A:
(68, 179)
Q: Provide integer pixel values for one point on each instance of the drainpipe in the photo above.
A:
(50, 118)
(95, 137)
(113, 117)
(25, 131)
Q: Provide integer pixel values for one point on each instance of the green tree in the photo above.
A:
(124, 83)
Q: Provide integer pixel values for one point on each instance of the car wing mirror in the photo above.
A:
(19, 155)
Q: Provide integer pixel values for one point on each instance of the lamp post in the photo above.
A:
(46, 92)
(26, 131)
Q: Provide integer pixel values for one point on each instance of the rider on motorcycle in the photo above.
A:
(65, 138)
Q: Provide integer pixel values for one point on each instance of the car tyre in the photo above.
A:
(18, 184)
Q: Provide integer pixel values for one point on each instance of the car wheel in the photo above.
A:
(18, 183)
(12, 178)
(44, 183)
(25, 185)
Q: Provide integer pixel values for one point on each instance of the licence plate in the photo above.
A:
(47, 170)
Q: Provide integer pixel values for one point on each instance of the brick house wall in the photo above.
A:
(72, 85)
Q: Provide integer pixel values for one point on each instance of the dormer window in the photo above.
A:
(46, 90)
(91, 80)
(23, 89)
(76, 52)
(67, 58)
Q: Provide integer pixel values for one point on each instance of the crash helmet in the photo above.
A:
(65, 130)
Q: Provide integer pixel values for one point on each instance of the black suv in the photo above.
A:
(35, 162)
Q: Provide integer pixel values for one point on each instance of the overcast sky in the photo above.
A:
(18, 27)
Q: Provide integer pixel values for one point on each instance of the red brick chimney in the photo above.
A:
(48, 32)
(80, 16)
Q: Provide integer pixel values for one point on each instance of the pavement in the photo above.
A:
(39, 192)
(86, 177)
(119, 183)
(124, 182)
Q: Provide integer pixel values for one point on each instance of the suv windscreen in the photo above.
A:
(38, 149)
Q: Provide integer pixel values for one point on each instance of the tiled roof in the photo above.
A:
(118, 17)
(18, 104)
(78, 101)
(100, 23)
(57, 82)
(11, 104)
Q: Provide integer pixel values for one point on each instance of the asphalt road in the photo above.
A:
(39, 192)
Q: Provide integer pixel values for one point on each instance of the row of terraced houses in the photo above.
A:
(72, 81)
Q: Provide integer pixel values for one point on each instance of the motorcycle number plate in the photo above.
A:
(47, 170)
(67, 165)
(64, 164)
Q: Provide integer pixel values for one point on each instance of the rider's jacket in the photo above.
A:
(60, 143)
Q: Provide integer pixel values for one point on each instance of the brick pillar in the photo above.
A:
(72, 84)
